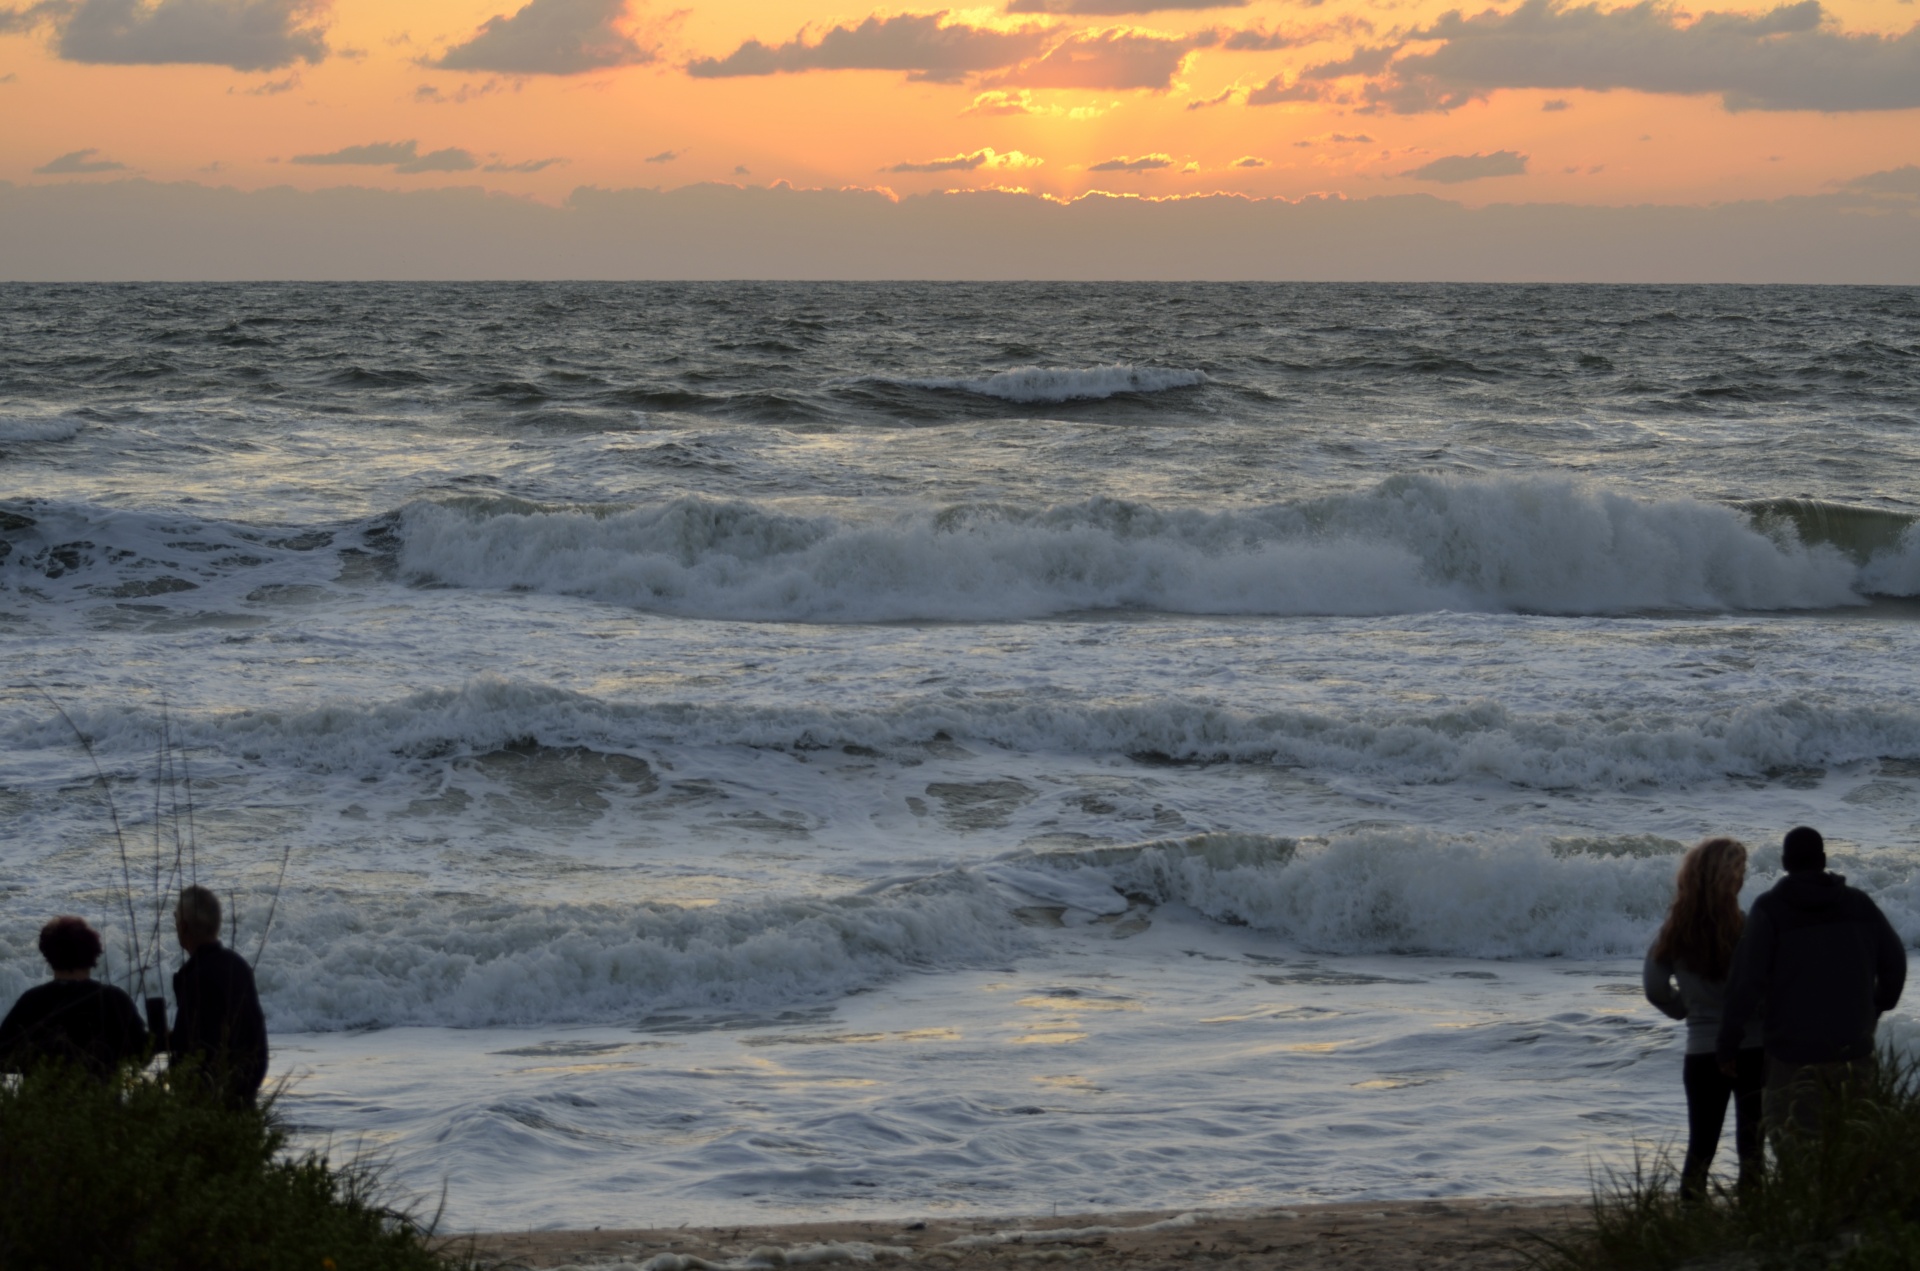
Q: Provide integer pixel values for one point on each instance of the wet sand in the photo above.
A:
(1486, 1235)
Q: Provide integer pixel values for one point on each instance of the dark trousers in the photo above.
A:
(1708, 1090)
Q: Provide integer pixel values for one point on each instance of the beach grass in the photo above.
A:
(1847, 1197)
(151, 1173)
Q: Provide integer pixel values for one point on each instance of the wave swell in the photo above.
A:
(1626, 747)
(1037, 384)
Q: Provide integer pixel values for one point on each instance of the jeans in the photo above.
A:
(1708, 1090)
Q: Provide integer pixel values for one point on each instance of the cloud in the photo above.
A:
(1787, 58)
(665, 156)
(247, 35)
(20, 21)
(1117, 58)
(1555, 103)
(1249, 161)
(1277, 90)
(1020, 102)
(465, 93)
(986, 158)
(1261, 40)
(1455, 168)
(401, 156)
(550, 37)
(742, 170)
(136, 230)
(78, 162)
(1145, 163)
(1000, 102)
(1362, 61)
(1902, 180)
(525, 165)
(274, 87)
(1220, 98)
(1257, 41)
(921, 44)
(373, 153)
(452, 159)
(1105, 8)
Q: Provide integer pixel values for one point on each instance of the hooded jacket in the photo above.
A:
(1826, 964)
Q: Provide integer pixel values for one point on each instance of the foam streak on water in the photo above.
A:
(810, 749)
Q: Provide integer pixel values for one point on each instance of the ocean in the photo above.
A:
(777, 751)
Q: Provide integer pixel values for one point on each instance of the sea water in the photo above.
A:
(753, 751)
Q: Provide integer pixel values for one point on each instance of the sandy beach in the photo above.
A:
(1485, 1234)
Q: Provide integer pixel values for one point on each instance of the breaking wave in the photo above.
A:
(339, 961)
(1414, 892)
(1410, 544)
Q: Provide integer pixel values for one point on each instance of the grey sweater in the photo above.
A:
(1700, 1002)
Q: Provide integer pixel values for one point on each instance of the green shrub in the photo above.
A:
(151, 1174)
(1845, 1198)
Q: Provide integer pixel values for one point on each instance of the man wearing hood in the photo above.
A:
(1821, 963)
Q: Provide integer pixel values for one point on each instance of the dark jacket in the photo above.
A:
(219, 1024)
(1826, 964)
(72, 1021)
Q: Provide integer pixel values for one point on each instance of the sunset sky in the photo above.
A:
(1537, 101)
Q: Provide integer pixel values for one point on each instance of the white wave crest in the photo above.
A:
(1409, 545)
(1895, 571)
(468, 962)
(1414, 892)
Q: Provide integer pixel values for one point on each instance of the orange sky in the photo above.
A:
(1548, 101)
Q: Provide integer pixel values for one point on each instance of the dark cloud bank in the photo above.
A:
(136, 230)
(247, 35)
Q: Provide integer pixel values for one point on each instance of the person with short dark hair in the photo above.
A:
(73, 1019)
(218, 1025)
(1827, 965)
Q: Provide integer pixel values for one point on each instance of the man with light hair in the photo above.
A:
(218, 1028)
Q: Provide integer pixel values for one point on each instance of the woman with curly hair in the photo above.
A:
(1686, 977)
(73, 1018)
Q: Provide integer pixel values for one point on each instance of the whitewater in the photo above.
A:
(815, 750)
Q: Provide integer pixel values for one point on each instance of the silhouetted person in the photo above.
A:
(218, 1026)
(1826, 964)
(74, 1019)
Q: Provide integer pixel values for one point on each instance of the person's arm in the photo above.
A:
(1747, 984)
(136, 1045)
(183, 1039)
(1889, 964)
(1656, 981)
(253, 1027)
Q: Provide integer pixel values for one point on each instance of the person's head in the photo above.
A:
(196, 919)
(1704, 922)
(70, 946)
(1803, 850)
